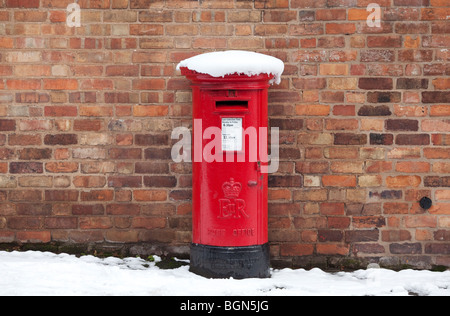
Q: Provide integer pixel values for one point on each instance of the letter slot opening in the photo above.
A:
(232, 105)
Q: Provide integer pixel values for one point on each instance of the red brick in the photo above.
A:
(60, 110)
(333, 249)
(332, 208)
(87, 125)
(412, 167)
(61, 139)
(415, 55)
(340, 28)
(35, 154)
(341, 124)
(375, 83)
(5, 70)
(6, 42)
(34, 236)
(435, 97)
(383, 55)
(89, 181)
(7, 125)
(436, 153)
(29, 84)
(122, 71)
(125, 181)
(97, 84)
(61, 195)
(434, 13)
(331, 14)
(384, 41)
(295, 250)
(333, 69)
(421, 221)
(150, 110)
(25, 167)
(125, 153)
(402, 125)
(96, 111)
(97, 195)
(411, 83)
(61, 222)
(149, 84)
(30, 16)
(60, 84)
(403, 181)
(441, 83)
(358, 14)
(61, 167)
(269, 4)
(146, 29)
(95, 222)
(123, 209)
(412, 139)
(150, 195)
(338, 180)
(22, 3)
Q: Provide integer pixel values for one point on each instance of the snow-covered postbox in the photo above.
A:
(229, 149)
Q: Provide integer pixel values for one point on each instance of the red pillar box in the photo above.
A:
(230, 95)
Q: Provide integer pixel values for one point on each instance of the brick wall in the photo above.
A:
(86, 115)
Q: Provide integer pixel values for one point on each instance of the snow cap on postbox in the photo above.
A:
(220, 64)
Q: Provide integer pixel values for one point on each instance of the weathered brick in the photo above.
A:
(35, 154)
(61, 139)
(402, 125)
(412, 83)
(60, 84)
(403, 181)
(22, 3)
(412, 139)
(361, 235)
(384, 41)
(412, 167)
(381, 139)
(350, 139)
(89, 181)
(435, 97)
(339, 180)
(375, 55)
(7, 125)
(374, 110)
(125, 181)
(26, 167)
(61, 167)
(61, 222)
(406, 248)
(160, 181)
(375, 83)
(415, 55)
(340, 28)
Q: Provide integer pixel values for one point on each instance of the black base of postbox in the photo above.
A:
(226, 262)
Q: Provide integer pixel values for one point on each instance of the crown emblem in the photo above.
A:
(231, 189)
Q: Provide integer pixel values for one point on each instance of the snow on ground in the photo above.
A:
(46, 274)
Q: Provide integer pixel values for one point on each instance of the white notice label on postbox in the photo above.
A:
(231, 134)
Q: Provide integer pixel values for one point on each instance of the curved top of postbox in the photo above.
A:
(220, 64)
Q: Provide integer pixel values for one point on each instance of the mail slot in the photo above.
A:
(230, 220)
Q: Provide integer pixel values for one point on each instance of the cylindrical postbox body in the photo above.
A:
(229, 153)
